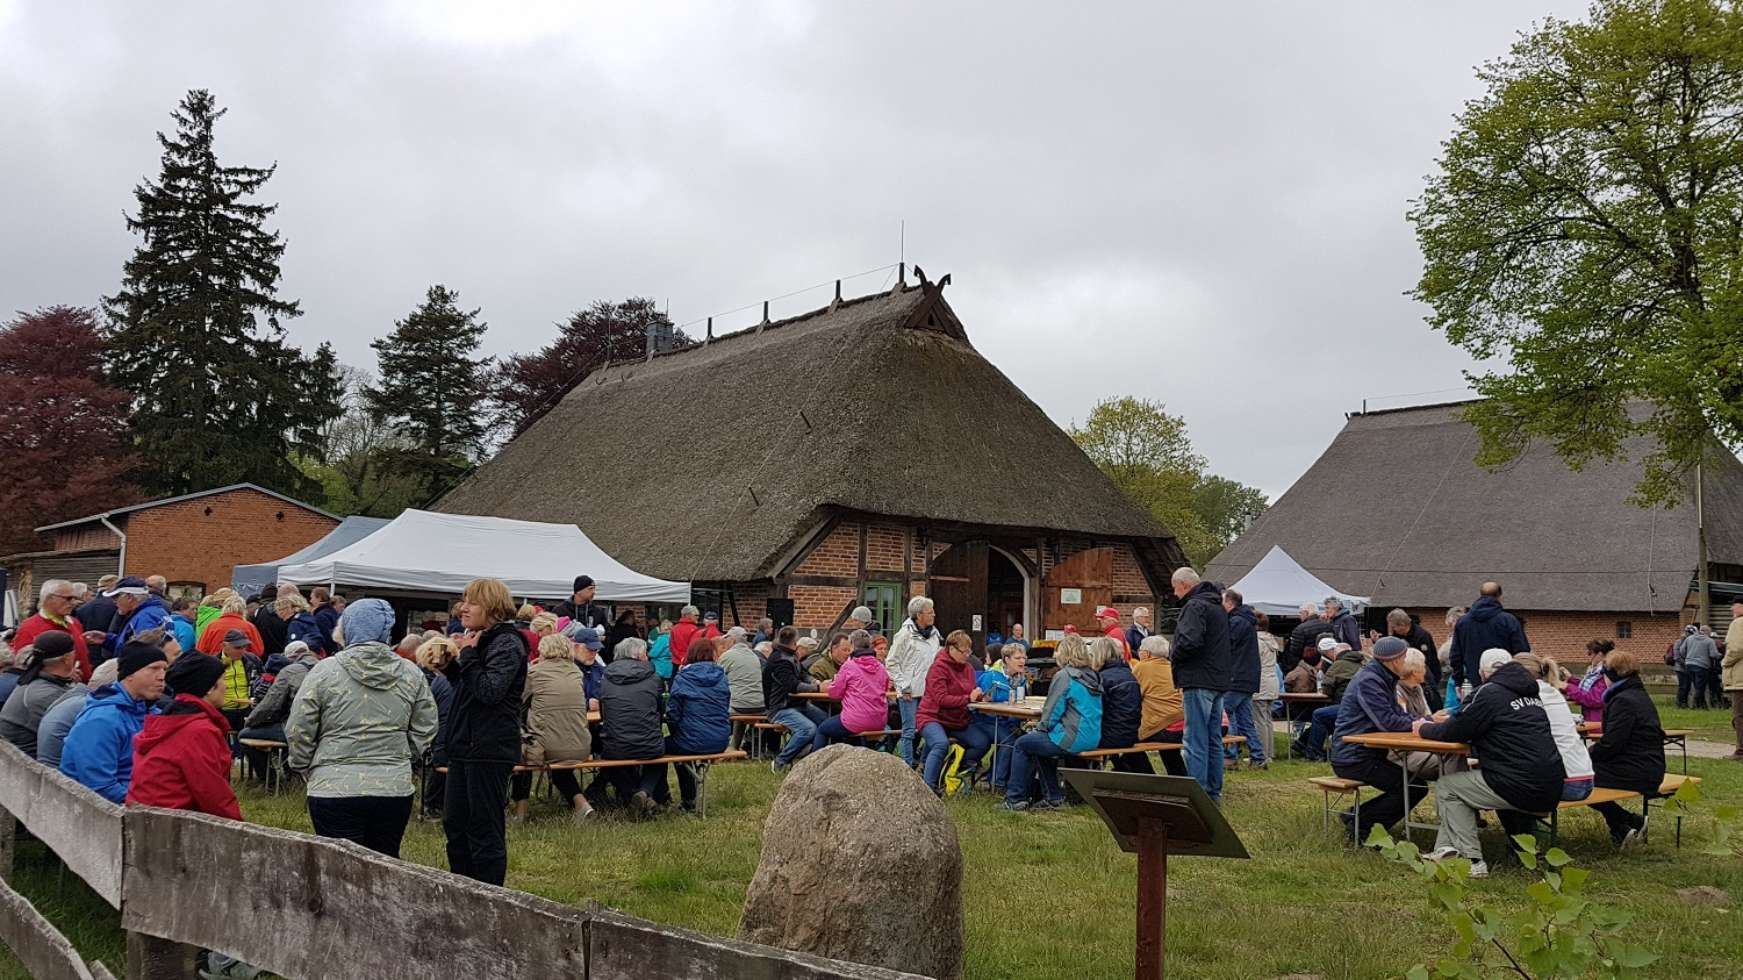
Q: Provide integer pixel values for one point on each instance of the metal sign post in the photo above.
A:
(1154, 816)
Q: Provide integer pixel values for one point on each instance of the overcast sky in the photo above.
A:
(1197, 203)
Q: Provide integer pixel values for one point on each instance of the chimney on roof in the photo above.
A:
(765, 322)
(710, 335)
(837, 300)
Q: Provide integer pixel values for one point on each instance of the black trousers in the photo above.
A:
(473, 819)
(563, 779)
(1172, 763)
(376, 822)
(1386, 776)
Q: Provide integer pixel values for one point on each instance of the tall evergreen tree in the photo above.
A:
(434, 387)
(195, 334)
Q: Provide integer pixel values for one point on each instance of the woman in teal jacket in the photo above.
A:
(1070, 723)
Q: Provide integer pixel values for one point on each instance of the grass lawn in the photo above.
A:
(1711, 724)
(1049, 896)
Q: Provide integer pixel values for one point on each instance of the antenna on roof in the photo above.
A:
(765, 322)
(837, 300)
(710, 335)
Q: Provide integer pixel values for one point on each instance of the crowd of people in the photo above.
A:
(147, 698)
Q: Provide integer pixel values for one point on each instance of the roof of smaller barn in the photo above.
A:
(706, 463)
(1396, 508)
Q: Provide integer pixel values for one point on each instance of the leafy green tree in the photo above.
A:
(1145, 451)
(1586, 224)
(434, 389)
(195, 335)
(364, 471)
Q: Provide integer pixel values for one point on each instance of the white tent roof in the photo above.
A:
(1278, 585)
(423, 552)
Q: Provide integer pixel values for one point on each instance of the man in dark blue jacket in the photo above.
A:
(1343, 625)
(1201, 671)
(1370, 705)
(1243, 684)
(1486, 626)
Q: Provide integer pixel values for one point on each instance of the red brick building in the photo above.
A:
(1396, 509)
(860, 453)
(192, 540)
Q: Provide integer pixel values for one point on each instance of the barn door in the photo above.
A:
(957, 586)
(1074, 587)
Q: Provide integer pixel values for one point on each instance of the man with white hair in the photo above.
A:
(54, 611)
(1506, 725)
(1139, 631)
(1343, 624)
(911, 655)
(1202, 669)
(1303, 637)
(684, 633)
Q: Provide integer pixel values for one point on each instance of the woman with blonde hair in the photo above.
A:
(299, 622)
(1070, 723)
(1576, 762)
(232, 615)
(436, 652)
(488, 674)
(555, 702)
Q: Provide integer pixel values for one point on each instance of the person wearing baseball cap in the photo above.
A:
(1108, 618)
(138, 608)
(181, 758)
(1371, 705)
(98, 751)
(241, 669)
(1341, 664)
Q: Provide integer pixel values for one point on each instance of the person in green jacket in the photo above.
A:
(359, 720)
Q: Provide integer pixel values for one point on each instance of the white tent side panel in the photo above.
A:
(419, 551)
(1278, 586)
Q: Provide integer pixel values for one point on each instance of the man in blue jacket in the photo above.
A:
(139, 609)
(1343, 624)
(1486, 626)
(1370, 705)
(1202, 670)
(98, 752)
(1243, 684)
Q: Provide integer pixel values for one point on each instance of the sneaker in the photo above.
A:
(643, 802)
(1479, 869)
(220, 967)
(1261, 764)
(1441, 854)
(776, 768)
(1058, 804)
(1017, 807)
(579, 816)
(1630, 837)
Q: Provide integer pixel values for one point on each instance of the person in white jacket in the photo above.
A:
(1574, 757)
(911, 655)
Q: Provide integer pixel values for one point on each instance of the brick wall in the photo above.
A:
(838, 554)
(817, 606)
(1128, 576)
(752, 600)
(1563, 635)
(883, 548)
(184, 543)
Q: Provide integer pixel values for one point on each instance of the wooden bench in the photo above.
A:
(1341, 787)
(1672, 782)
(1097, 755)
(742, 722)
(700, 762)
(277, 758)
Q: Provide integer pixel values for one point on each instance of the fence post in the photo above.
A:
(8, 842)
(151, 958)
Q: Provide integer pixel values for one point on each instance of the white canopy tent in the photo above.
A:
(420, 551)
(1278, 585)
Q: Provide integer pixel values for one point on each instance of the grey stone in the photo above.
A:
(860, 862)
(1702, 895)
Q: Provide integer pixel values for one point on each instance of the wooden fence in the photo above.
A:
(310, 908)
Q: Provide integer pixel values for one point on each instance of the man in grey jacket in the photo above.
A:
(266, 721)
(53, 674)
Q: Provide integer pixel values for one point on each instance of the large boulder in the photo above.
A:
(860, 862)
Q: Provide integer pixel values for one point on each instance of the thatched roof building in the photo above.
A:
(733, 461)
(1395, 508)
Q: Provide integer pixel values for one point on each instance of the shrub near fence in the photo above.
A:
(309, 907)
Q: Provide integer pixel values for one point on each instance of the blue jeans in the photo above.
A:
(1204, 738)
(1242, 721)
(905, 745)
(801, 721)
(1577, 789)
(1324, 720)
(1031, 753)
(1004, 734)
(937, 738)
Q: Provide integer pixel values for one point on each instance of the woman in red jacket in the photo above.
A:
(181, 760)
(943, 713)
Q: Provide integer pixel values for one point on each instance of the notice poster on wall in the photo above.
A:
(1071, 597)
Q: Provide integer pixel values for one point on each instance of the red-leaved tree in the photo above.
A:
(63, 435)
(527, 385)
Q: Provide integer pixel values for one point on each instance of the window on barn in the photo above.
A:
(1624, 630)
(885, 601)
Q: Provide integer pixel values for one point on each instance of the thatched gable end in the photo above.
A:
(707, 463)
(1395, 508)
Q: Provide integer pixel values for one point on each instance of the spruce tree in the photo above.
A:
(433, 388)
(195, 333)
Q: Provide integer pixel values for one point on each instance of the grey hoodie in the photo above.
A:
(276, 705)
(358, 721)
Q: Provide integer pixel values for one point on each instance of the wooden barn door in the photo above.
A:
(1087, 577)
(957, 586)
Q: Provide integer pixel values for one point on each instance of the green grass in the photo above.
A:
(1712, 724)
(1049, 895)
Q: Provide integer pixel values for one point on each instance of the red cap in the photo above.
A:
(1106, 612)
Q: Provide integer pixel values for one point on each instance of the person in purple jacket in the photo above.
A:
(1371, 705)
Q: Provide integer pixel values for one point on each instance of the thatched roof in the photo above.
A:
(705, 463)
(1396, 509)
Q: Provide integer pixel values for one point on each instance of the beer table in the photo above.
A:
(1405, 743)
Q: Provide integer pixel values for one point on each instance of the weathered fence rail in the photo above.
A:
(310, 908)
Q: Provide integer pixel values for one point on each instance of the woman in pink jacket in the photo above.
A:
(1588, 691)
(860, 686)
